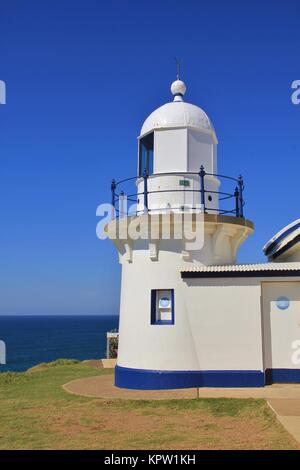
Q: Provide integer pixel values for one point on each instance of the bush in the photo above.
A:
(113, 348)
(47, 365)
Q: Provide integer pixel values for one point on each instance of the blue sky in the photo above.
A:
(81, 77)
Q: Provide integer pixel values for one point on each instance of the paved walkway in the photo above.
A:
(288, 413)
(284, 399)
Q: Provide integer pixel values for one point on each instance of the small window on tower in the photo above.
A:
(146, 146)
(162, 307)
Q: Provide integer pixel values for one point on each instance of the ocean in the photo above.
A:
(31, 340)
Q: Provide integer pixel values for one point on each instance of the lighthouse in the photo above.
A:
(189, 315)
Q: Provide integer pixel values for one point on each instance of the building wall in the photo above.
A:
(217, 323)
(225, 321)
(222, 326)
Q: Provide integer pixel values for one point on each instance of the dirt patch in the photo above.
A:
(96, 427)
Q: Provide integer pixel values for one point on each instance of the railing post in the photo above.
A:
(123, 210)
(113, 196)
(241, 187)
(202, 189)
(113, 189)
(145, 176)
(237, 201)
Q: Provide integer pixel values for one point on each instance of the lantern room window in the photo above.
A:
(146, 146)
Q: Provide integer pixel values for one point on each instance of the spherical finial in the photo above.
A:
(178, 89)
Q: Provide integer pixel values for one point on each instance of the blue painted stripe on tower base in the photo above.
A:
(282, 376)
(142, 379)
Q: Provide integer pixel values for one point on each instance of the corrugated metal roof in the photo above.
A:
(244, 268)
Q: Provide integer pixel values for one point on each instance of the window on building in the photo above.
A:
(162, 307)
(146, 146)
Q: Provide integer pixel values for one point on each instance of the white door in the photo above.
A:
(281, 324)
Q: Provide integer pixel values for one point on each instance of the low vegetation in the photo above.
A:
(36, 413)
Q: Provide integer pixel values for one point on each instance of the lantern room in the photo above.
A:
(176, 140)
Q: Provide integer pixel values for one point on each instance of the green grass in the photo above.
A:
(36, 413)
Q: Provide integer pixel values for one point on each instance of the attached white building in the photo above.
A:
(189, 315)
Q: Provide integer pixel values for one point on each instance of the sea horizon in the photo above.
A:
(33, 339)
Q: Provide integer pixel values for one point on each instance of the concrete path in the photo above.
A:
(102, 386)
(284, 399)
(288, 413)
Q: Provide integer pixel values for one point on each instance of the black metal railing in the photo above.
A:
(233, 197)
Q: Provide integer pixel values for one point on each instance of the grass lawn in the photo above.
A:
(36, 413)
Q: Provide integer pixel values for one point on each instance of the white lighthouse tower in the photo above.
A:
(161, 341)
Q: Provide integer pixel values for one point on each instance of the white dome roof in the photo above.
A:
(177, 114)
